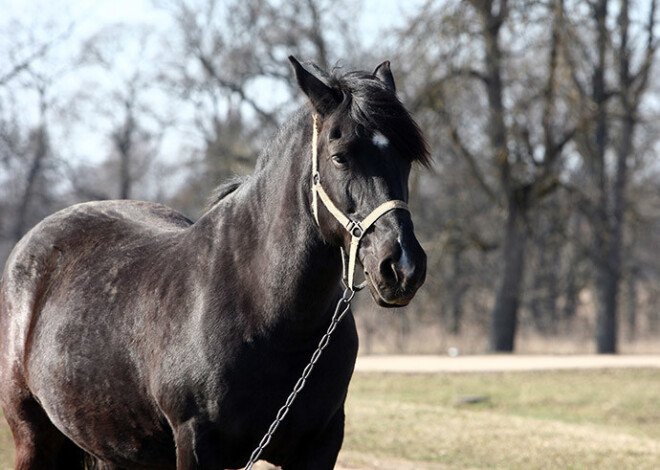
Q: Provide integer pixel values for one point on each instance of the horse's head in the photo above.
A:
(365, 143)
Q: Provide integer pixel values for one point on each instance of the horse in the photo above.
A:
(133, 338)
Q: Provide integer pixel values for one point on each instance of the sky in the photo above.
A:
(89, 16)
(51, 18)
(378, 14)
(37, 21)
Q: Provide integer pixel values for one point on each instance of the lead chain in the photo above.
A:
(339, 314)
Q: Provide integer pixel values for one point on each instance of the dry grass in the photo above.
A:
(6, 445)
(604, 419)
(535, 420)
(459, 439)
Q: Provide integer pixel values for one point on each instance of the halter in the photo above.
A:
(356, 229)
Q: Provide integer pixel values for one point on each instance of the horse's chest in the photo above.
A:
(259, 389)
(261, 392)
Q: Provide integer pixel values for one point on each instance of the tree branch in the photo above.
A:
(234, 88)
(640, 79)
(39, 53)
(471, 161)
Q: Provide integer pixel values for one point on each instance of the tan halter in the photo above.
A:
(355, 228)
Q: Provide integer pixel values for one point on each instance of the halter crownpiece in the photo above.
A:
(356, 229)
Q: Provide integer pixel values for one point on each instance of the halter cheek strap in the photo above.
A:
(356, 229)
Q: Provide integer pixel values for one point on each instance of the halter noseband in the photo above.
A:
(356, 229)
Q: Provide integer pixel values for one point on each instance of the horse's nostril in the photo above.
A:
(388, 271)
(402, 269)
(395, 273)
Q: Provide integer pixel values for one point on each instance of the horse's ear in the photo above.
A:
(324, 99)
(384, 74)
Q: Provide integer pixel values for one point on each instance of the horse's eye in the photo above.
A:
(339, 161)
(335, 133)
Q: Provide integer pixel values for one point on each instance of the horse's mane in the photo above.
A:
(226, 188)
(272, 144)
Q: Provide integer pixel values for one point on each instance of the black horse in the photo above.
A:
(131, 337)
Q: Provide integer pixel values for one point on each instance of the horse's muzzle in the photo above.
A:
(395, 271)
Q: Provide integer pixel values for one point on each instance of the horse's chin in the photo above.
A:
(379, 297)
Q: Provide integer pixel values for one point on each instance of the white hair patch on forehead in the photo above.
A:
(380, 140)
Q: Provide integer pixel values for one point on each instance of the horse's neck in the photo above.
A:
(310, 267)
(292, 272)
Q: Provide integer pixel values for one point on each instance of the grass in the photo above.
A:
(596, 419)
(6, 445)
(529, 420)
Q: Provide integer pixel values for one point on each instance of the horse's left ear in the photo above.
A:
(324, 98)
(384, 74)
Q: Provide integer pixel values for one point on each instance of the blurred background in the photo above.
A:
(541, 217)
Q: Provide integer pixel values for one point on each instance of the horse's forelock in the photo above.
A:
(375, 107)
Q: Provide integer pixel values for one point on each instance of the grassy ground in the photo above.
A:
(607, 419)
(596, 419)
(6, 446)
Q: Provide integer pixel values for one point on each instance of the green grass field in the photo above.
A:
(596, 419)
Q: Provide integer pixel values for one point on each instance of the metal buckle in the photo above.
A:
(316, 178)
(355, 229)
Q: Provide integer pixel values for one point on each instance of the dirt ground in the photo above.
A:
(487, 363)
(500, 363)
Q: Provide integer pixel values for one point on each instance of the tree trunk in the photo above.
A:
(545, 290)
(631, 303)
(458, 289)
(505, 312)
(571, 285)
(123, 139)
(40, 138)
(607, 282)
(605, 238)
(125, 173)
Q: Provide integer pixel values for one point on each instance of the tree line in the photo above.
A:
(543, 206)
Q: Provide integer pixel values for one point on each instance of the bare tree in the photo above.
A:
(230, 61)
(37, 154)
(131, 110)
(21, 56)
(28, 102)
(517, 165)
(611, 89)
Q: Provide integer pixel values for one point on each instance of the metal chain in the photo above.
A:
(339, 314)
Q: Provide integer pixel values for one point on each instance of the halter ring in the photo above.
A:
(355, 229)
